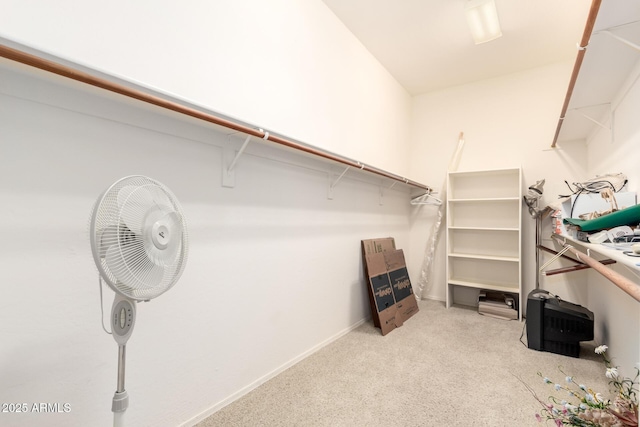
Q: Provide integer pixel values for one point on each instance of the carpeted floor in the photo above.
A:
(444, 367)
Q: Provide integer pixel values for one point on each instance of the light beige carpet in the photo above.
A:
(444, 367)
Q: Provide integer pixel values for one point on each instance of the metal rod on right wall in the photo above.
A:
(616, 278)
(586, 35)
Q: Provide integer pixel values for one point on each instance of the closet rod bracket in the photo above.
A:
(229, 160)
(579, 111)
(333, 184)
(240, 151)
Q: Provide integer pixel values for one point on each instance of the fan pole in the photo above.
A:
(120, 401)
(122, 353)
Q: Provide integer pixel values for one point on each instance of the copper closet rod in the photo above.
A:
(586, 35)
(71, 73)
(616, 278)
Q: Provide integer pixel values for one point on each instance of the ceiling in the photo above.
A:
(426, 44)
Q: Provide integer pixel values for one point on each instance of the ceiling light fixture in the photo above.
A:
(482, 17)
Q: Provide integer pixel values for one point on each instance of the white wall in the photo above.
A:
(608, 152)
(507, 121)
(274, 269)
(284, 65)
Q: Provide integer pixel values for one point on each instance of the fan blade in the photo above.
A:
(115, 235)
(160, 197)
(152, 277)
(134, 202)
(114, 264)
(107, 238)
(135, 273)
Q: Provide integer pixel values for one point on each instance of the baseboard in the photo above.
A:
(237, 395)
(433, 298)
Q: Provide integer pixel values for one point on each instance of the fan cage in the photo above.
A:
(123, 251)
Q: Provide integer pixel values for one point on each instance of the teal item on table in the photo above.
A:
(626, 216)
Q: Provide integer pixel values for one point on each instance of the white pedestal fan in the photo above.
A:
(139, 242)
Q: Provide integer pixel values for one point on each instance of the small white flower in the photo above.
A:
(546, 380)
(601, 349)
(571, 408)
(589, 397)
(583, 406)
(569, 379)
(583, 387)
(557, 387)
(599, 397)
(612, 373)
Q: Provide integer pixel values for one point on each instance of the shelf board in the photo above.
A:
(485, 228)
(608, 252)
(492, 172)
(485, 199)
(488, 286)
(485, 257)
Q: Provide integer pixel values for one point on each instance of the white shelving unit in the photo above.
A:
(484, 218)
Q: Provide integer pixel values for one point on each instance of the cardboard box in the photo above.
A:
(382, 301)
(376, 246)
(406, 302)
(390, 293)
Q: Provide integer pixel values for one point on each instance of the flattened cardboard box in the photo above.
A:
(375, 246)
(371, 247)
(387, 272)
(383, 303)
(402, 290)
